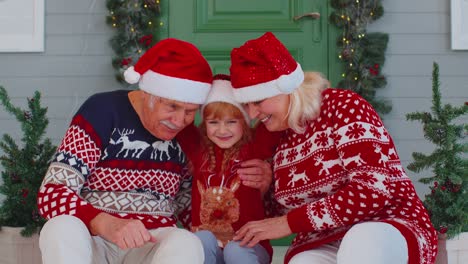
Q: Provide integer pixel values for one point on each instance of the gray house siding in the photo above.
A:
(419, 33)
(76, 64)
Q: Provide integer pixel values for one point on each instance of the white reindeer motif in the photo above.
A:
(276, 184)
(162, 147)
(328, 164)
(137, 146)
(391, 152)
(383, 158)
(355, 158)
(112, 142)
(296, 177)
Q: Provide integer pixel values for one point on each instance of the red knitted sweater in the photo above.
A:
(220, 203)
(345, 170)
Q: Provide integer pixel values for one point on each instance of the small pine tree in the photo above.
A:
(24, 166)
(447, 202)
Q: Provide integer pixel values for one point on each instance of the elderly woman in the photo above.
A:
(338, 181)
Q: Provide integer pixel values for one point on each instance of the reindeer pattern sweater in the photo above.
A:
(342, 171)
(108, 162)
(220, 202)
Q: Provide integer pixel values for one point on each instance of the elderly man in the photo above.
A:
(113, 188)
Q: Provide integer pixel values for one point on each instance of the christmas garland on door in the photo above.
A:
(362, 53)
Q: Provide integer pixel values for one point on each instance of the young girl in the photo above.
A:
(220, 203)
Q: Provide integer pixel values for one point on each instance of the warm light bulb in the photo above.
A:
(114, 24)
(339, 56)
(150, 23)
(132, 29)
(355, 78)
(161, 24)
(343, 75)
(350, 65)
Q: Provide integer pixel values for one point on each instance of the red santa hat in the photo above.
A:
(263, 68)
(222, 91)
(173, 69)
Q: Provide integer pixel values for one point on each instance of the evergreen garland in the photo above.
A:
(447, 202)
(24, 166)
(135, 22)
(362, 53)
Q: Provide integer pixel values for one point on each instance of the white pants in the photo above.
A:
(365, 243)
(66, 240)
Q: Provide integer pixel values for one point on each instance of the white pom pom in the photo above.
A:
(131, 76)
(286, 84)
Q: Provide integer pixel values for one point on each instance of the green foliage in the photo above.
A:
(362, 53)
(24, 166)
(135, 23)
(448, 201)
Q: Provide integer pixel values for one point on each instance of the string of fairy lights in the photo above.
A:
(137, 22)
(362, 53)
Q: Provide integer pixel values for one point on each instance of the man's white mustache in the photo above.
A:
(170, 125)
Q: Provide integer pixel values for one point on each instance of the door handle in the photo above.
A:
(314, 15)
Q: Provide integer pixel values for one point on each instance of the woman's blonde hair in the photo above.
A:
(305, 101)
(220, 110)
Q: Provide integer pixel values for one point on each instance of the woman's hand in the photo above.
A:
(255, 231)
(257, 174)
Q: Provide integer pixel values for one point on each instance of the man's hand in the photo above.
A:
(257, 174)
(255, 231)
(125, 233)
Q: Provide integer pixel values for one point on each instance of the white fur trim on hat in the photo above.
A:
(222, 91)
(178, 89)
(285, 84)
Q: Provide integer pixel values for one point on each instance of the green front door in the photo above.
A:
(217, 26)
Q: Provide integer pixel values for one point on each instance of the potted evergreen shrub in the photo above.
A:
(447, 202)
(23, 168)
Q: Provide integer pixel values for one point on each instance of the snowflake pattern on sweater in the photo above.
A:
(108, 162)
(342, 171)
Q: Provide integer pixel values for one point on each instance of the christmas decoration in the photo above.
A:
(24, 166)
(362, 53)
(135, 22)
(447, 202)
